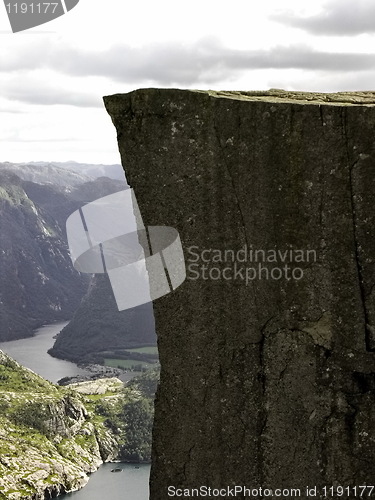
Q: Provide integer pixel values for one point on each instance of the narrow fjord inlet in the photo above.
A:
(89, 397)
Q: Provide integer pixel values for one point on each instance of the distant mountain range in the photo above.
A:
(47, 174)
(37, 281)
(85, 169)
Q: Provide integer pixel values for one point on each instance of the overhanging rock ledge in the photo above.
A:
(269, 383)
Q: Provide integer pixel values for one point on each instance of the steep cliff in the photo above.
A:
(267, 373)
(38, 282)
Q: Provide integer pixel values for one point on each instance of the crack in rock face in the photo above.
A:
(267, 379)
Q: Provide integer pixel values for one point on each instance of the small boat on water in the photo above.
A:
(116, 470)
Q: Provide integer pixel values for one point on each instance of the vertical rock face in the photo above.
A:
(268, 381)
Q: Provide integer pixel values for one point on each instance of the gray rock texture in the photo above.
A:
(272, 382)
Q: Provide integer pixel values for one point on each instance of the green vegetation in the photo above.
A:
(14, 194)
(13, 377)
(100, 331)
(4, 195)
(146, 384)
(145, 350)
(135, 359)
(53, 436)
(128, 364)
(138, 415)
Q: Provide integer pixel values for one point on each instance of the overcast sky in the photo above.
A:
(52, 78)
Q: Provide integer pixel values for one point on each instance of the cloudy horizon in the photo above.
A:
(53, 78)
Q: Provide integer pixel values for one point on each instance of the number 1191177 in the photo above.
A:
(348, 491)
(31, 8)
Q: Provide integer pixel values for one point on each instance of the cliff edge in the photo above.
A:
(267, 349)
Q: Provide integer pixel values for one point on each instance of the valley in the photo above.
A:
(38, 282)
(66, 328)
(53, 437)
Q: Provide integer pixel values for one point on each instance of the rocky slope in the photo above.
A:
(38, 283)
(52, 438)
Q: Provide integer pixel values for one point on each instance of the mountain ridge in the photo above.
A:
(114, 171)
(39, 284)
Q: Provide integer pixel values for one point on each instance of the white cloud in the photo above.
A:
(338, 17)
(52, 83)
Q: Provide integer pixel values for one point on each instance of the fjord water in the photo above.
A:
(32, 353)
(129, 484)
